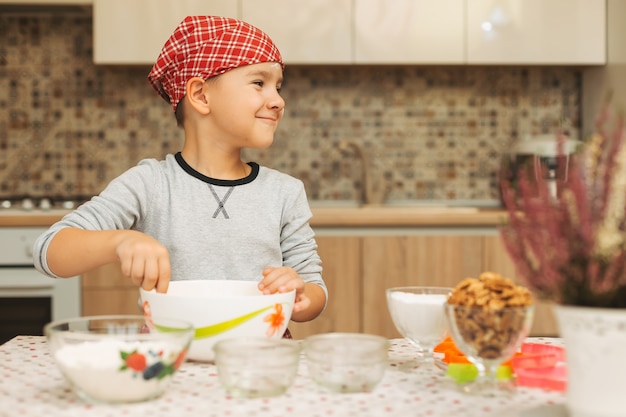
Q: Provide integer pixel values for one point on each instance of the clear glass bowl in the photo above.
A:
(419, 316)
(488, 337)
(254, 367)
(346, 362)
(119, 358)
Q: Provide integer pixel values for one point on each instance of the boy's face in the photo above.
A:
(245, 104)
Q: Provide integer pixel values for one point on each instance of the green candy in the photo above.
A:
(464, 372)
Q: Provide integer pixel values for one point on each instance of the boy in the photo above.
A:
(203, 213)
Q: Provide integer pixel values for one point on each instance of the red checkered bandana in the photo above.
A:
(205, 46)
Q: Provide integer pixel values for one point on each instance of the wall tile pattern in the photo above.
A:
(433, 133)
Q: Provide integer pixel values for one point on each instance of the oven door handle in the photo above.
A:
(26, 290)
(4, 289)
(26, 293)
(25, 278)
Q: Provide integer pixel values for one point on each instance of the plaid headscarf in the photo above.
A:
(205, 46)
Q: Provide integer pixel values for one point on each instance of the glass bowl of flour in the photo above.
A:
(120, 358)
(419, 316)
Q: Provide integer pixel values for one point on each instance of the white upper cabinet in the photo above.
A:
(418, 32)
(409, 31)
(536, 32)
(134, 31)
(306, 32)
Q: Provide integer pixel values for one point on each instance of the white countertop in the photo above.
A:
(32, 386)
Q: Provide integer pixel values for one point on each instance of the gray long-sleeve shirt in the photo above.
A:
(213, 229)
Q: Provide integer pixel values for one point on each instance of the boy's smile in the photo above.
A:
(246, 105)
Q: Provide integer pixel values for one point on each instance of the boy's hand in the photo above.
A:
(285, 279)
(145, 260)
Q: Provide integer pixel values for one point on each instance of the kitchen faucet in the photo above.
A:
(374, 190)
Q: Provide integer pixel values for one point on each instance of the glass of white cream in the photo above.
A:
(419, 316)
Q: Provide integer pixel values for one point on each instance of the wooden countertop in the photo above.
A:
(36, 218)
(331, 216)
(379, 216)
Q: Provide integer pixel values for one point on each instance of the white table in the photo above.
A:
(32, 386)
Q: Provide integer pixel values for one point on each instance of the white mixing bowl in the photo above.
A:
(220, 309)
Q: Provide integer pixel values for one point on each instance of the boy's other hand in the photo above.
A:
(145, 260)
(284, 279)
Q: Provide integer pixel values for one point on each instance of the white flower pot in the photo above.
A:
(595, 343)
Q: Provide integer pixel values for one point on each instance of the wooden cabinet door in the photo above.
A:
(107, 291)
(393, 261)
(409, 31)
(107, 276)
(306, 32)
(111, 301)
(536, 32)
(497, 259)
(341, 260)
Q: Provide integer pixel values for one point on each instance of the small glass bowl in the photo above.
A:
(346, 362)
(256, 367)
(119, 358)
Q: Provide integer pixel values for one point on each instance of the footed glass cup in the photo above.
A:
(488, 337)
(418, 314)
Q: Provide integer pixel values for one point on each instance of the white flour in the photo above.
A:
(419, 317)
(95, 369)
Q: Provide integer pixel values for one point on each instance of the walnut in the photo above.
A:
(491, 322)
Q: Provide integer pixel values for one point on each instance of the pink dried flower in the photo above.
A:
(572, 249)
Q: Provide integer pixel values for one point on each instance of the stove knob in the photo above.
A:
(5, 204)
(45, 204)
(27, 204)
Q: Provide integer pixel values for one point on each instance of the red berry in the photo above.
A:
(136, 361)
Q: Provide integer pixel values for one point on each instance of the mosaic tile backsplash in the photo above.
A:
(431, 133)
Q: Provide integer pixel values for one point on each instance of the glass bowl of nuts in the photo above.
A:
(488, 319)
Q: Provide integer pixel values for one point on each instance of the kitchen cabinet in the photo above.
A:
(358, 267)
(536, 32)
(415, 257)
(409, 31)
(107, 291)
(341, 260)
(410, 260)
(433, 260)
(133, 32)
(311, 32)
(417, 32)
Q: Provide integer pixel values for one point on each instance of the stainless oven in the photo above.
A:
(28, 299)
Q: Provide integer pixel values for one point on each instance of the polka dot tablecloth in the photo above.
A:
(31, 385)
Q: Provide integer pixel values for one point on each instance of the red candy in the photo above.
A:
(553, 378)
(536, 355)
(541, 366)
